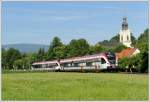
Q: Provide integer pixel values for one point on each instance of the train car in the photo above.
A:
(99, 61)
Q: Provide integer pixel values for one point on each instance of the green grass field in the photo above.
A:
(74, 86)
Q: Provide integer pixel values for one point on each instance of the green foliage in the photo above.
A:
(133, 39)
(115, 39)
(59, 52)
(50, 54)
(114, 42)
(97, 48)
(139, 62)
(134, 61)
(52, 51)
(41, 54)
(91, 49)
(78, 47)
(4, 58)
(144, 62)
(24, 63)
(9, 57)
(18, 64)
(119, 48)
(142, 44)
(55, 43)
(104, 43)
(123, 63)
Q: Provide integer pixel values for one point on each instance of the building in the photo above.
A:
(125, 34)
(125, 39)
(128, 52)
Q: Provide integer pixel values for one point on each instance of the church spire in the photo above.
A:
(124, 24)
(125, 34)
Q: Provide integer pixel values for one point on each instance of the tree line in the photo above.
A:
(12, 59)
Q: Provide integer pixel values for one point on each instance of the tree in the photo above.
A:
(119, 48)
(123, 63)
(60, 52)
(83, 47)
(144, 62)
(56, 42)
(126, 64)
(18, 64)
(105, 43)
(74, 47)
(133, 39)
(11, 56)
(78, 47)
(67, 51)
(142, 44)
(134, 61)
(114, 39)
(13, 59)
(26, 63)
(91, 49)
(4, 59)
(41, 54)
(99, 48)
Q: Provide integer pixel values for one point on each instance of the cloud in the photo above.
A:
(68, 17)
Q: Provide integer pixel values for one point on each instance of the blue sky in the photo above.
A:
(39, 22)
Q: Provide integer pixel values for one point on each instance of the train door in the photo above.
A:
(57, 67)
(103, 64)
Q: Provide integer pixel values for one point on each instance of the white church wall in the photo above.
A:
(136, 52)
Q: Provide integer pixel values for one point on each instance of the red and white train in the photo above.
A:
(90, 62)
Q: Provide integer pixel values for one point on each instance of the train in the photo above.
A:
(100, 61)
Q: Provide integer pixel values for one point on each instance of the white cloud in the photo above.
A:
(67, 17)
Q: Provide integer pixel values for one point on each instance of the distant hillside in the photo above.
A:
(26, 47)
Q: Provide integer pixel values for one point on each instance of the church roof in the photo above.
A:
(126, 53)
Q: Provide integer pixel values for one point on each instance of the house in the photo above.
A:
(128, 52)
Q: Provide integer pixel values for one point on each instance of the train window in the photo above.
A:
(89, 64)
(51, 65)
(103, 61)
(76, 65)
(69, 65)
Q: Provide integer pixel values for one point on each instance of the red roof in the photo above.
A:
(126, 53)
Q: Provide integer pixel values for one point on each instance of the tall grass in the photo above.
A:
(74, 86)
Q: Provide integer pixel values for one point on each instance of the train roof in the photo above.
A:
(73, 59)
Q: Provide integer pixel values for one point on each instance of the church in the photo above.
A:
(125, 39)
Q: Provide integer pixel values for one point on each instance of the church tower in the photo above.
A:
(125, 34)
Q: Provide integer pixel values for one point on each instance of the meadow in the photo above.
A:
(74, 86)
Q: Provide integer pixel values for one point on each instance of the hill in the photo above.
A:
(26, 47)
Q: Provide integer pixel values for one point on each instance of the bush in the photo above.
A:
(137, 63)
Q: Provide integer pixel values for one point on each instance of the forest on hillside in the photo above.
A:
(13, 59)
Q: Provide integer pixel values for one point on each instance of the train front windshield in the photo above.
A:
(111, 57)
